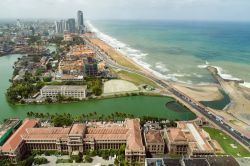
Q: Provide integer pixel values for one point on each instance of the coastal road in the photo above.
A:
(178, 95)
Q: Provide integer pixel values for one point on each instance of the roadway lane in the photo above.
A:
(194, 104)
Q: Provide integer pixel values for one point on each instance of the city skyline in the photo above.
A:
(226, 10)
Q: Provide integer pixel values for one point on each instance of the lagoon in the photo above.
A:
(137, 105)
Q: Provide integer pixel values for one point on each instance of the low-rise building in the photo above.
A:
(188, 138)
(154, 141)
(77, 138)
(64, 90)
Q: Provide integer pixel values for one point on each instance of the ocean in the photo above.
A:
(180, 50)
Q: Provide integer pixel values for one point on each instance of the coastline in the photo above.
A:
(230, 113)
(210, 96)
(136, 56)
(236, 113)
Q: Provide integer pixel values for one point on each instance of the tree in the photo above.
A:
(48, 100)
(47, 79)
(77, 158)
(116, 162)
(88, 159)
(40, 160)
(62, 120)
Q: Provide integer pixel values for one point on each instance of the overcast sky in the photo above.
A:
(128, 9)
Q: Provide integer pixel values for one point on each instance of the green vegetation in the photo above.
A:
(95, 86)
(34, 40)
(136, 79)
(76, 158)
(227, 143)
(120, 154)
(23, 89)
(40, 160)
(88, 159)
(62, 120)
(64, 161)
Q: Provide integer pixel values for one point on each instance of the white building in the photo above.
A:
(64, 90)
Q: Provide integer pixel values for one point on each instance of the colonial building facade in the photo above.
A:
(78, 137)
(189, 139)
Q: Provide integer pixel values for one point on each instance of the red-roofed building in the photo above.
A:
(14, 147)
(189, 139)
(77, 138)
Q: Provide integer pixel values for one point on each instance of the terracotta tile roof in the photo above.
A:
(154, 136)
(191, 134)
(14, 141)
(108, 133)
(134, 139)
(52, 133)
(176, 134)
(99, 137)
(108, 130)
(78, 129)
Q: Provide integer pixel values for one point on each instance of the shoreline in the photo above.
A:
(114, 43)
(240, 122)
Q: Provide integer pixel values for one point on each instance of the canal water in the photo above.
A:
(137, 105)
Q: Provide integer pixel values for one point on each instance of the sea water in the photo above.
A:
(180, 50)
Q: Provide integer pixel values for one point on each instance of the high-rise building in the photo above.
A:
(80, 22)
(60, 26)
(71, 25)
(18, 23)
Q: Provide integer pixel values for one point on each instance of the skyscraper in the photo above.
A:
(80, 22)
(71, 25)
(60, 26)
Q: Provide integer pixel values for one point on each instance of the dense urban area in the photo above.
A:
(64, 62)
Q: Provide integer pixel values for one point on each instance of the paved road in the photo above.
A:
(181, 96)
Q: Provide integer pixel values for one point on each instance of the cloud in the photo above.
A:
(128, 9)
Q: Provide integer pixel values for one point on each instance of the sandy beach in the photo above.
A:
(237, 114)
(200, 92)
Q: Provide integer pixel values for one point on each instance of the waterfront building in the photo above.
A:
(78, 138)
(188, 139)
(153, 141)
(78, 92)
(80, 22)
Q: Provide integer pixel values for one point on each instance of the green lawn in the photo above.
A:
(136, 79)
(226, 143)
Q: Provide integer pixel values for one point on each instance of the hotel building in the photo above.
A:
(77, 138)
(52, 91)
(189, 139)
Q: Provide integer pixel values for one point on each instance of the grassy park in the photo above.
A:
(229, 145)
(136, 79)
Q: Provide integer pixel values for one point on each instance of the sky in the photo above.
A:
(227, 10)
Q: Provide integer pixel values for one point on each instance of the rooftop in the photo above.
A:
(134, 139)
(64, 87)
(196, 162)
(12, 143)
(190, 133)
(153, 136)
(78, 129)
(52, 133)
